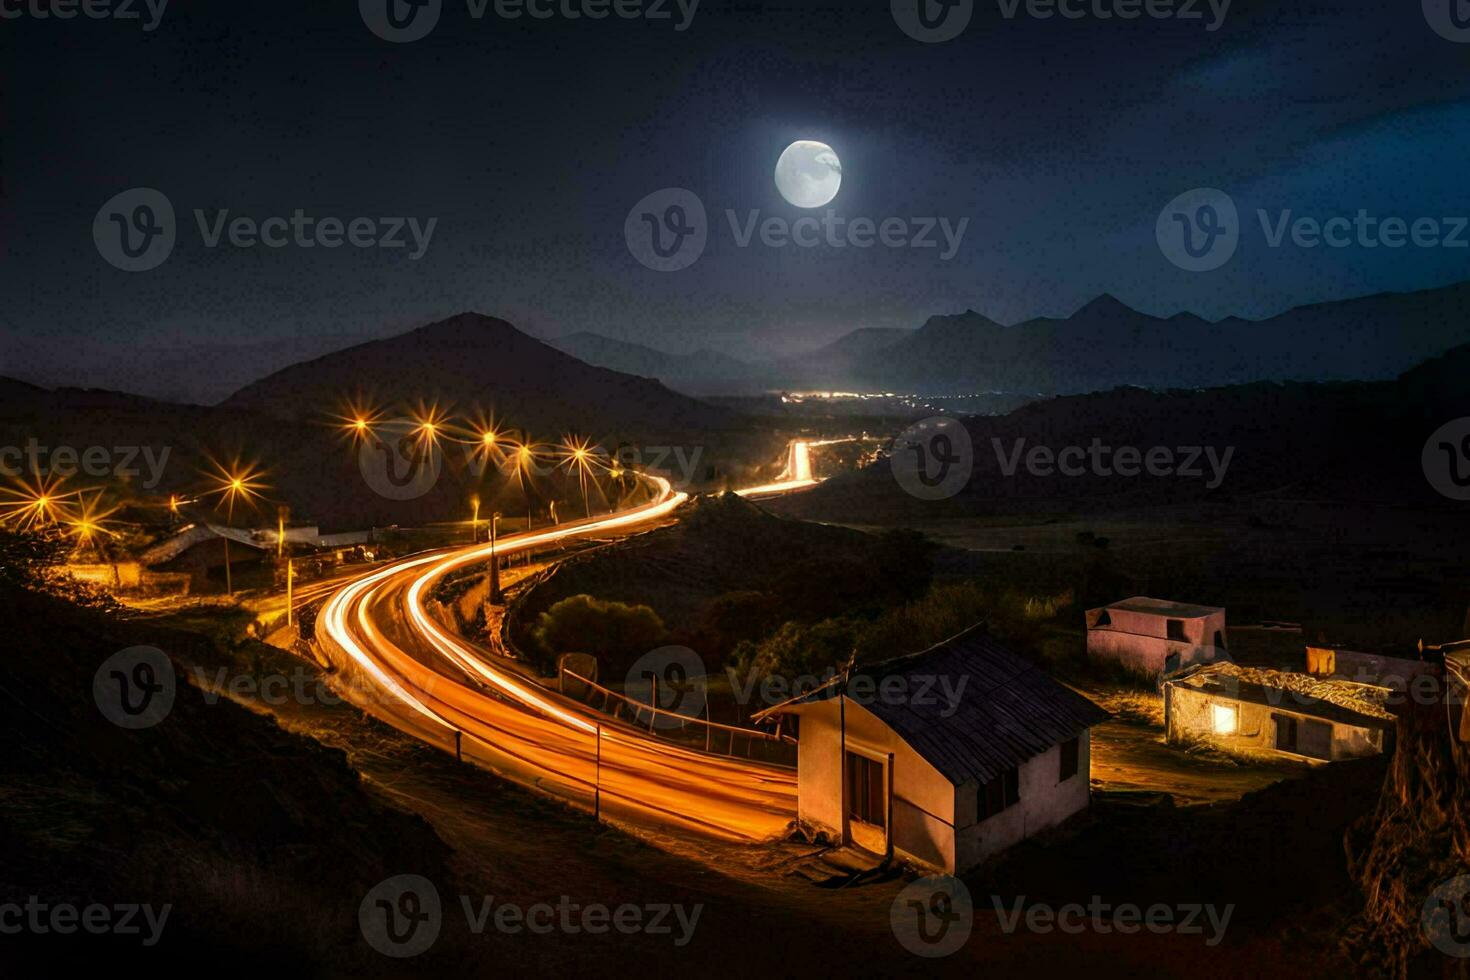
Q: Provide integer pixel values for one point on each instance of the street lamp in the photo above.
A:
(494, 561)
(579, 456)
(233, 484)
(475, 520)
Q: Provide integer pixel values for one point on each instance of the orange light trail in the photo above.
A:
(453, 694)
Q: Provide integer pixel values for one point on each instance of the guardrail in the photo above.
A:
(752, 735)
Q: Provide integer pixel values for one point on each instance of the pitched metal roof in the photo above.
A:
(1008, 711)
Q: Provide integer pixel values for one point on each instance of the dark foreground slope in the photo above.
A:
(261, 841)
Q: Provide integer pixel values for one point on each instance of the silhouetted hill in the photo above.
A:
(702, 372)
(1358, 441)
(1106, 343)
(473, 360)
(284, 423)
(1102, 345)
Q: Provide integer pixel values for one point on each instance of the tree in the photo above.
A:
(798, 649)
(612, 631)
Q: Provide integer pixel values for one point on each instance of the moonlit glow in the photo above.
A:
(809, 174)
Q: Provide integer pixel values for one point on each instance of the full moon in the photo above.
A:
(808, 174)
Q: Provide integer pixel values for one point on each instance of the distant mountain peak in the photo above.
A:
(1106, 304)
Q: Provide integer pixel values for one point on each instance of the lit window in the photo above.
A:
(1226, 718)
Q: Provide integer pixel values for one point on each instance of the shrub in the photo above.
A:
(612, 631)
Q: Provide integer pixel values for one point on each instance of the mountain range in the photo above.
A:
(289, 422)
(1100, 346)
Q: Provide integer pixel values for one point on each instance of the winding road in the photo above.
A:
(396, 662)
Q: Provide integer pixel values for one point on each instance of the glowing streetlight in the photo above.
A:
(577, 455)
(89, 519)
(358, 421)
(233, 484)
(35, 505)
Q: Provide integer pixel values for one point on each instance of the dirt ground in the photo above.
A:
(1129, 754)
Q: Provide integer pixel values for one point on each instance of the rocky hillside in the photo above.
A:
(1411, 856)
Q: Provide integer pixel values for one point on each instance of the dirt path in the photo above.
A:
(1129, 754)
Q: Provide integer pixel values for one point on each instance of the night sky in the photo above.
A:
(530, 140)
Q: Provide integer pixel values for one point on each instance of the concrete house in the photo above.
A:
(1272, 712)
(943, 757)
(1155, 636)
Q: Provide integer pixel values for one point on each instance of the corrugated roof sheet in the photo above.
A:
(1009, 711)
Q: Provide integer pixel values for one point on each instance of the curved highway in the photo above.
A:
(398, 663)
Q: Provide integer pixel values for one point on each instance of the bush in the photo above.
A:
(946, 610)
(612, 631)
(798, 648)
(733, 617)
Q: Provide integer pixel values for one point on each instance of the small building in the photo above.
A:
(1249, 710)
(1154, 637)
(1340, 663)
(944, 757)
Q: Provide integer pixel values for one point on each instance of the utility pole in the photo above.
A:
(494, 562)
(597, 781)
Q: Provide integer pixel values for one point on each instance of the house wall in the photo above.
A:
(1044, 802)
(923, 800)
(1139, 641)
(1188, 714)
(1365, 668)
(123, 574)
